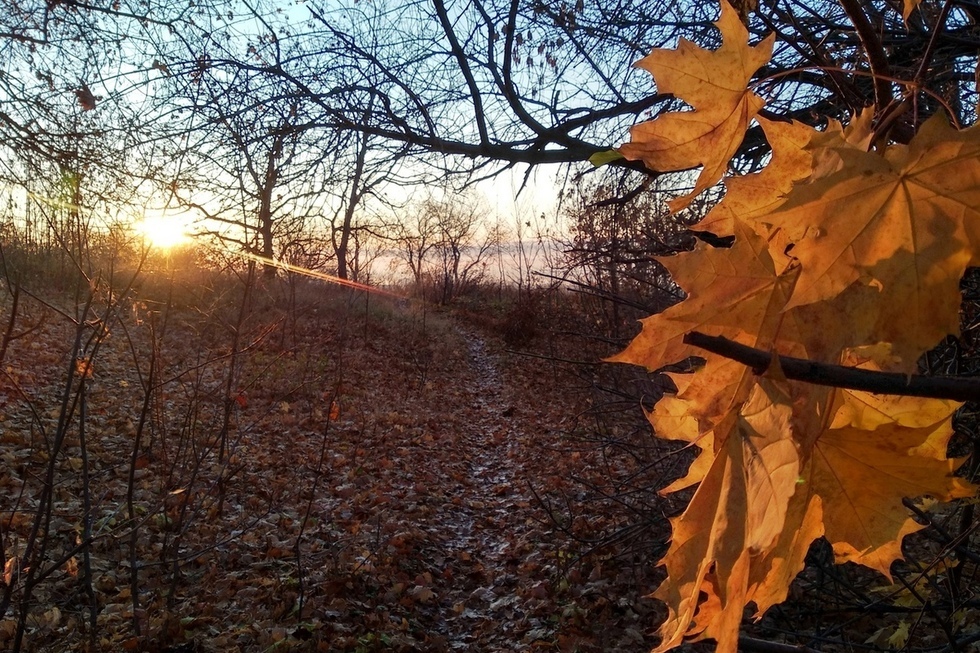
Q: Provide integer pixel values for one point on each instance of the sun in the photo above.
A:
(161, 232)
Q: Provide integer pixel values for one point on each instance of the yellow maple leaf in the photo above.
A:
(672, 413)
(908, 6)
(755, 195)
(733, 292)
(696, 545)
(702, 401)
(901, 222)
(773, 477)
(865, 410)
(730, 291)
(737, 512)
(861, 478)
(736, 293)
(716, 390)
(741, 294)
(824, 146)
(772, 572)
(859, 462)
(837, 247)
(714, 83)
(798, 152)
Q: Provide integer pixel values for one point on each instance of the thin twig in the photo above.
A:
(763, 646)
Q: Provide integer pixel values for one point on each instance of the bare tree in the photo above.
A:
(251, 165)
(472, 86)
(516, 81)
(466, 241)
(415, 239)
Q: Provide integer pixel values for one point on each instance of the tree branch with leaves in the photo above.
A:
(849, 247)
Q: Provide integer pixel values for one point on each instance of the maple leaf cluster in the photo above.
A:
(846, 251)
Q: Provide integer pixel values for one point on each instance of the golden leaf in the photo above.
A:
(772, 573)
(739, 293)
(908, 6)
(902, 223)
(84, 367)
(714, 84)
(868, 411)
(861, 478)
(730, 291)
(842, 254)
(751, 196)
(737, 512)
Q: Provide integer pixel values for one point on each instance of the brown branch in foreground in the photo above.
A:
(799, 369)
(877, 57)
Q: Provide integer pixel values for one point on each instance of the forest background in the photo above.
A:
(260, 440)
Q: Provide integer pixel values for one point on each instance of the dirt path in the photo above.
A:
(480, 522)
(499, 564)
(482, 447)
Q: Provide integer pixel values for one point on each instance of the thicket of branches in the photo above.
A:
(305, 115)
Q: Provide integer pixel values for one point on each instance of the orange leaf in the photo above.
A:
(84, 367)
(741, 294)
(901, 222)
(751, 196)
(730, 292)
(737, 513)
(772, 572)
(861, 478)
(714, 84)
(10, 570)
(869, 411)
(908, 6)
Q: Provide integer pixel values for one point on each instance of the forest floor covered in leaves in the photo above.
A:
(328, 472)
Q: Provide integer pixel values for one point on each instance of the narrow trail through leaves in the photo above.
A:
(489, 463)
(490, 500)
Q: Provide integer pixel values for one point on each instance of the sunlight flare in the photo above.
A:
(163, 232)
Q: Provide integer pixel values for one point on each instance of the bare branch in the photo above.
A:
(799, 369)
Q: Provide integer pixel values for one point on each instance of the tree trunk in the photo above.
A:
(266, 247)
(342, 248)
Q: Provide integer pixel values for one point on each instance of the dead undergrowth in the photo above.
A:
(241, 467)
